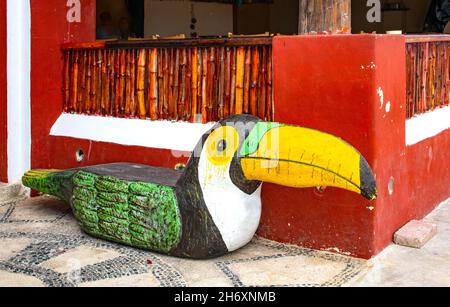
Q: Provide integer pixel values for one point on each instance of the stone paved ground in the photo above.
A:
(400, 266)
(42, 245)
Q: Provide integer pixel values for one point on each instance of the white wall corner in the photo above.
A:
(428, 125)
(18, 79)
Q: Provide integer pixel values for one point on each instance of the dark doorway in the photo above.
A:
(148, 18)
(120, 19)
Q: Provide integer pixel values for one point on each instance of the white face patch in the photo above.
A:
(235, 213)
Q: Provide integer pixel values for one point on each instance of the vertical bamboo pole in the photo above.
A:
(140, 84)
(117, 69)
(66, 88)
(424, 79)
(128, 84)
(153, 84)
(247, 77)
(182, 91)
(409, 79)
(269, 105)
(104, 86)
(74, 85)
(240, 68)
(418, 81)
(167, 85)
(262, 85)
(204, 91)
(133, 105)
(87, 105)
(81, 81)
(123, 76)
(227, 83)
(112, 58)
(93, 82)
(171, 59)
(233, 98)
(221, 102)
(176, 85)
(254, 82)
(147, 102)
(188, 112)
(108, 83)
(215, 86)
(199, 115)
(212, 82)
(98, 82)
(160, 68)
(194, 85)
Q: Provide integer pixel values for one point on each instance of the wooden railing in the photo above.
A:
(428, 73)
(186, 80)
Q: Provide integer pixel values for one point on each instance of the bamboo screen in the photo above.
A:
(177, 81)
(428, 75)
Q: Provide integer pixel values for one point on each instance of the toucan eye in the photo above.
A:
(221, 146)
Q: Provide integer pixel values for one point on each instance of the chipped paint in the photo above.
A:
(337, 250)
(372, 65)
(388, 107)
(381, 95)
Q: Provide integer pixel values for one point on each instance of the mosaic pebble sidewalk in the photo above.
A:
(42, 245)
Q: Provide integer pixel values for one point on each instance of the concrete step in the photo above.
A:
(10, 193)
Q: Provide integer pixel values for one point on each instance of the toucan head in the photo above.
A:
(251, 151)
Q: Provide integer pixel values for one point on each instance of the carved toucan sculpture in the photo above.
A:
(213, 206)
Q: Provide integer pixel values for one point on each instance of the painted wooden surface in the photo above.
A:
(331, 16)
(170, 80)
(213, 206)
(3, 97)
(428, 74)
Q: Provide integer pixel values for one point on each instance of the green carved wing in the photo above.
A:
(138, 214)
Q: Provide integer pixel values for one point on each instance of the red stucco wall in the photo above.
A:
(49, 29)
(332, 83)
(3, 96)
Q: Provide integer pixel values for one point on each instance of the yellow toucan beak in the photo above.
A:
(301, 158)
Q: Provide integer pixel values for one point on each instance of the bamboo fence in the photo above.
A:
(177, 81)
(428, 75)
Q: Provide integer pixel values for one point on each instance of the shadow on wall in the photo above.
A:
(410, 21)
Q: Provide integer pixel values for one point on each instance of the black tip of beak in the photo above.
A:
(368, 183)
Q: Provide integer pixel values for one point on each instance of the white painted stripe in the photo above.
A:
(427, 125)
(179, 136)
(18, 72)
